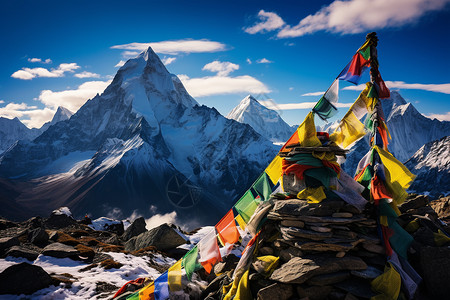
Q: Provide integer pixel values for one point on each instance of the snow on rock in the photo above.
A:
(62, 211)
(103, 223)
(265, 121)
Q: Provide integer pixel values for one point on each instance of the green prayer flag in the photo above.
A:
(134, 296)
(262, 187)
(324, 109)
(190, 262)
(365, 53)
(246, 206)
(372, 92)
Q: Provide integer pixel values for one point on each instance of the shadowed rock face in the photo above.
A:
(145, 142)
(23, 278)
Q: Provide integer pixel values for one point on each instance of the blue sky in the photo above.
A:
(64, 52)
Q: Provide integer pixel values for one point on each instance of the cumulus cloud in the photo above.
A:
(269, 21)
(73, 99)
(357, 16)
(176, 46)
(158, 219)
(438, 88)
(168, 60)
(289, 106)
(30, 115)
(30, 73)
(130, 54)
(314, 94)
(222, 85)
(222, 68)
(264, 61)
(86, 74)
(441, 117)
(249, 61)
(120, 64)
(39, 60)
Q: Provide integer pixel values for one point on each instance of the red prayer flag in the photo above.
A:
(227, 229)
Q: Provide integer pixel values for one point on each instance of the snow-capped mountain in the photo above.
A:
(144, 144)
(61, 114)
(265, 121)
(12, 130)
(409, 129)
(431, 164)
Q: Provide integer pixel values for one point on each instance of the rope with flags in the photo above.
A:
(379, 172)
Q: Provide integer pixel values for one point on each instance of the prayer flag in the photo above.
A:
(243, 291)
(227, 229)
(161, 287)
(174, 277)
(190, 262)
(387, 284)
(246, 206)
(148, 292)
(349, 131)
(324, 108)
(262, 187)
(134, 296)
(305, 135)
(354, 69)
(209, 252)
(313, 195)
(274, 169)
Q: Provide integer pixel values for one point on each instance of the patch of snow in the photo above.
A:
(62, 211)
(102, 223)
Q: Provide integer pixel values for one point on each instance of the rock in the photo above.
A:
(116, 228)
(292, 223)
(53, 236)
(374, 248)
(369, 273)
(340, 254)
(5, 224)
(325, 246)
(414, 201)
(162, 237)
(23, 278)
(296, 207)
(320, 229)
(56, 221)
(265, 251)
(314, 292)
(357, 287)
(342, 215)
(277, 291)
(135, 229)
(287, 254)
(435, 263)
(304, 233)
(328, 279)
(60, 251)
(229, 262)
(425, 236)
(299, 270)
(113, 240)
(8, 242)
(34, 222)
(442, 207)
(18, 251)
(38, 236)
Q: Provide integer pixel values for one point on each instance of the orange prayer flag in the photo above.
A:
(209, 252)
(147, 293)
(227, 230)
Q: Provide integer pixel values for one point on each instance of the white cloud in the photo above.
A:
(357, 16)
(269, 22)
(30, 73)
(221, 85)
(264, 61)
(314, 94)
(130, 54)
(1, 101)
(249, 61)
(441, 117)
(29, 115)
(86, 74)
(73, 99)
(168, 60)
(158, 219)
(439, 88)
(176, 47)
(120, 64)
(222, 68)
(35, 60)
(302, 105)
(291, 88)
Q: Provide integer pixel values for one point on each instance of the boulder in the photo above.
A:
(276, 291)
(60, 251)
(135, 229)
(414, 201)
(57, 221)
(162, 237)
(33, 223)
(435, 263)
(329, 279)
(8, 242)
(18, 251)
(5, 224)
(296, 207)
(23, 278)
(38, 236)
(299, 270)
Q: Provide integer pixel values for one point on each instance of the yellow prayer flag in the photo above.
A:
(387, 284)
(349, 131)
(174, 277)
(274, 170)
(147, 292)
(313, 195)
(243, 291)
(307, 132)
(397, 172)
(241, 222)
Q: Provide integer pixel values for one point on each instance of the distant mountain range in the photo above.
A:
(145, 144)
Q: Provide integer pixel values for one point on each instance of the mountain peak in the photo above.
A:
(61, 114)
